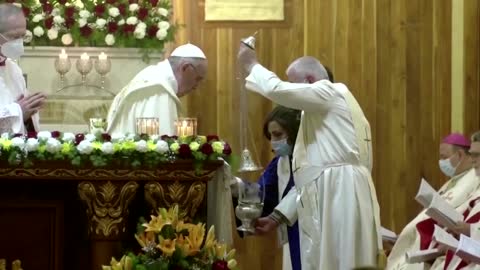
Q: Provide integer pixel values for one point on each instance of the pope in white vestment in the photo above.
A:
(155, 91)
(334, 199)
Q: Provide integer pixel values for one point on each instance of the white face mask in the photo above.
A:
(446, 167)
(12, 49)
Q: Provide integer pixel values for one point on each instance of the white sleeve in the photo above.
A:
(288, 206)
(301, 96)
(11, 118)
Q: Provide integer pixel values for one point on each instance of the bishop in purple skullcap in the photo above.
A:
(457, 139)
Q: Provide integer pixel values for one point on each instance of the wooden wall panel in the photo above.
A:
(472, 65)
(396, 59)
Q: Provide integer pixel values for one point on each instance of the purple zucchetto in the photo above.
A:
(457, 139)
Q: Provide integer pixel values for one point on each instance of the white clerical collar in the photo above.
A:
(169, 74)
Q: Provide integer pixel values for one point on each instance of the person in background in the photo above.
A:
(18, 108)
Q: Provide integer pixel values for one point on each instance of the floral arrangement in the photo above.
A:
(115, 23)
(169, 243)
(100, 150)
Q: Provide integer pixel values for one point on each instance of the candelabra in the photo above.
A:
(84, 66)
(62, 66)
(103, 66)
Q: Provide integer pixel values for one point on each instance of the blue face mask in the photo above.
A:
(281, 147)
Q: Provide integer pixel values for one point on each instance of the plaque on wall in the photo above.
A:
(245, 10)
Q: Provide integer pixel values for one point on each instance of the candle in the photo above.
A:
(85, 56)
(102, 56)
(185, 127)
(63, 55)
(148, 126)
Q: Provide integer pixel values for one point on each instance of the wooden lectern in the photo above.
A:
(55, 217)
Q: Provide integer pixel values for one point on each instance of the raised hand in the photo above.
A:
(247, 57)
(30, 104)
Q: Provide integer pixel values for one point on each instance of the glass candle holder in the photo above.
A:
(147, 125)
(186, 126)
(97, 125)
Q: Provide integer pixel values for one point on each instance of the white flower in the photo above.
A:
(139, 33)
(109, 39)
(133, 7)
(163, 25)
(85, 147)
(141, 25)
(130, 137)
(161, 147)
(52, 33)
(38, 17)
(55, 12)
(163, 12)
(132, 20)
(174, 147)
(67, 39)
(118, 137)
(90, 137)
(38, 31)
(107, 148)
(84, 14)
(194, 146)
(28, 36)
(218, 147)
(154, 137)
(121, 22)
(44, 135)
(58, 20)
(53, 145)
(68, 137)
(161, 34)
(32, 144)
(79, 4)
(18, 142)
(101, 23)
(5, 135)
(113, 12)
(82, 22)
(141, 146)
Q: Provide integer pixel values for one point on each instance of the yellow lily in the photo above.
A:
(196, 233)
(156, 224)
(210, 241)
(167, 246)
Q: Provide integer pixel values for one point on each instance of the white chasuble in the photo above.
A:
(12, 86)
(334, 199)
(151, 93)
(456, 191)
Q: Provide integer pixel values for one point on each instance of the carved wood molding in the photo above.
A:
(172, 172)
(107, 206)
(187, 195)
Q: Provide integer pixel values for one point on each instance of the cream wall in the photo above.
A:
(70, 108)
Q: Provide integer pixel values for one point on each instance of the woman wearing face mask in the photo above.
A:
(280, 128)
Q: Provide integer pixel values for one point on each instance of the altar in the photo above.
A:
(56, 217)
